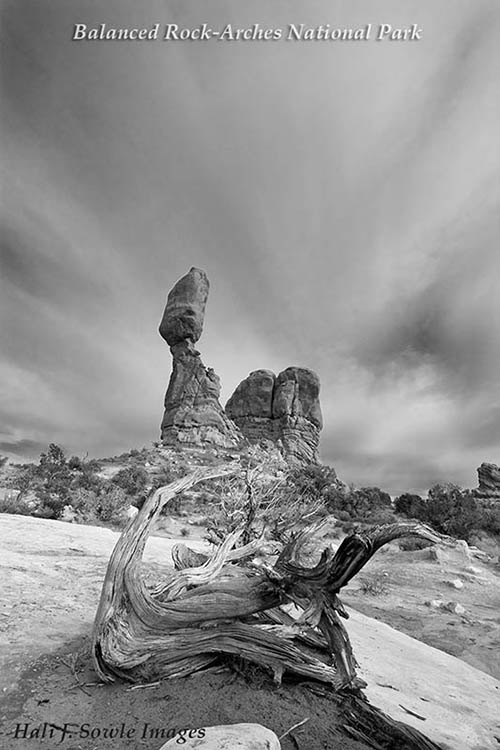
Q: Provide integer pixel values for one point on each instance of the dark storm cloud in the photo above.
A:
(23, 448)
(449, 320)
(37, 262)
(342, 199)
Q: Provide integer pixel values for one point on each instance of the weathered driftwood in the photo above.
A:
(226, 604)
(374, 728)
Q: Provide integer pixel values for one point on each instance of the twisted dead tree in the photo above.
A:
(230, 603)
(223, 603)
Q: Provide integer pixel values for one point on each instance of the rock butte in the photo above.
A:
(283, 409)
(488, 482)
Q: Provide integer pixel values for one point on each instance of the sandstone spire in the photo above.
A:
(193, 414)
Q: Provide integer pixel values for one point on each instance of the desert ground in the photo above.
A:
(52, 574)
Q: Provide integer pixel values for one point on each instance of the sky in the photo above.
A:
(341, 196)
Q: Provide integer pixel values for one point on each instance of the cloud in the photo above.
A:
(22, 448)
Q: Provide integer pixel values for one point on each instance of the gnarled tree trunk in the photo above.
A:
(226, 604)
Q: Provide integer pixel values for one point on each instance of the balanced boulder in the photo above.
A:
(185, 310)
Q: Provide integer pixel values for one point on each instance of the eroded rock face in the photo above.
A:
(297, 411)
(489, 481)
(251, 406)
(283, 408)
(296, 394)
(193, 413)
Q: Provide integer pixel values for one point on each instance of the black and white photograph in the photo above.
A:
(250, 375)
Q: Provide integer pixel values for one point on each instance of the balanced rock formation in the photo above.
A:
(185, 310)
(489, 482)
(284, 409)
(193, 413)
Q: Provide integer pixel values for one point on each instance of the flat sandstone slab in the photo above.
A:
(458, 704)
(59, 568)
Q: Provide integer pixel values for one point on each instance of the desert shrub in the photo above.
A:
(132, 480)
(336, 498)
(92, 465)
(264, 496)
(85, 503)
(312, 481)
(75, 463)
(451, 510)
(12, 503)
(51, 505)
(44, 511)
(112, 505)
(360, 503)
(440, 490)
(87, 479)
(53, 461)
(374, 585)
(380, 516)
(412, 543)
(373, 498)
(24, 479)
(50, 481)
(489, 520)
(411, 506)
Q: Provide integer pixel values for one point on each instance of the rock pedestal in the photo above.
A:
(193, 413)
